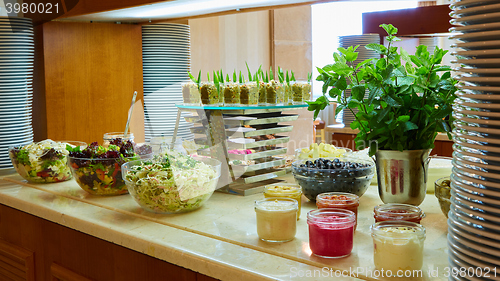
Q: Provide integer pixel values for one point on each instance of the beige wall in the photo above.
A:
(292, 39)
(292, 44)
(281, 37)
(227, 42)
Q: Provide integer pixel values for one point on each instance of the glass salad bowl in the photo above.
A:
(343, 174)
(42, 162)
(169, 185)
(97, 169)
(443, 194)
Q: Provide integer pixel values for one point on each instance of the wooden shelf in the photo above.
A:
(421, 20)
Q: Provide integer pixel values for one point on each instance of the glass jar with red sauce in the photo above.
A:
(398, 212)
(331, 232)
(339, 200)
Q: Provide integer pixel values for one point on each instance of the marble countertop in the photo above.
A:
(220, 239)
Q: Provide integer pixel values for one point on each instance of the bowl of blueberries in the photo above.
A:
(342, 174)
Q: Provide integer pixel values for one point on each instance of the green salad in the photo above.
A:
(42, 162)
(171, 183)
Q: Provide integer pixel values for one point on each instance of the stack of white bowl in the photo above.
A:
(474, 218)
(364, 54)
(16, 85)
(166, 62)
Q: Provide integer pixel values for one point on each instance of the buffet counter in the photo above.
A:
(220, 239)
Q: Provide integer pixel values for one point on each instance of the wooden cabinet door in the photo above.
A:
(60, 273)
(16, 263)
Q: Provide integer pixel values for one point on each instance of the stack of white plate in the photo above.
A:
(364, 54)
(166, 62)
(16, 85)
(430, 42)
(474, 218)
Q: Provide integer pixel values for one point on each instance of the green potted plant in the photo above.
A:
(409, 102)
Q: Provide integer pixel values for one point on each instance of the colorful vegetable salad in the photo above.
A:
(42, 162)
(97, 169)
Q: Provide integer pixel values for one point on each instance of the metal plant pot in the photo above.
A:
(402, 175)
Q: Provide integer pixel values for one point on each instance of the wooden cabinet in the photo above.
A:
(60, 273)
(441, 147)
(32, 248)
(86, 74)
(16, 263)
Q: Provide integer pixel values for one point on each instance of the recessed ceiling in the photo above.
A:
(181, 9)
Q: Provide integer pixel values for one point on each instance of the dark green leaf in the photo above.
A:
(390, 100)
(382, 114)
(358, 92)
(326, 85)
(339, 108)
(375, 92)
(353, 103)
(341, 84)
(407, 80)
(334, 93)
(373, 148)
(410, 126)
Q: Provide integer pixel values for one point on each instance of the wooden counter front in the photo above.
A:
(72, 233)
(344, 137)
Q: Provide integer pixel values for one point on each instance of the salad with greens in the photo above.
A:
(171, 183)
(41, 162)
(97, 169)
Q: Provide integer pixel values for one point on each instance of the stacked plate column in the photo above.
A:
(474, 218)
(16, 85)
(166, 62)
(363, 54)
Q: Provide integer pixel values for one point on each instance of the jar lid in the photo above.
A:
(398, 211)
(164, 140)
(285, 188)
(331, 217)
(397, 229)
(115, 135)
(277, 204)
(337, 198)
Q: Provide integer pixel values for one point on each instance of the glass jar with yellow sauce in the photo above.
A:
(287, 190)
(398, 245)
(276, 219)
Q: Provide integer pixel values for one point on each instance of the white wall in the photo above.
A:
(227, 42)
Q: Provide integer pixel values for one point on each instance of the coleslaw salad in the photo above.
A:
(172, 183)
